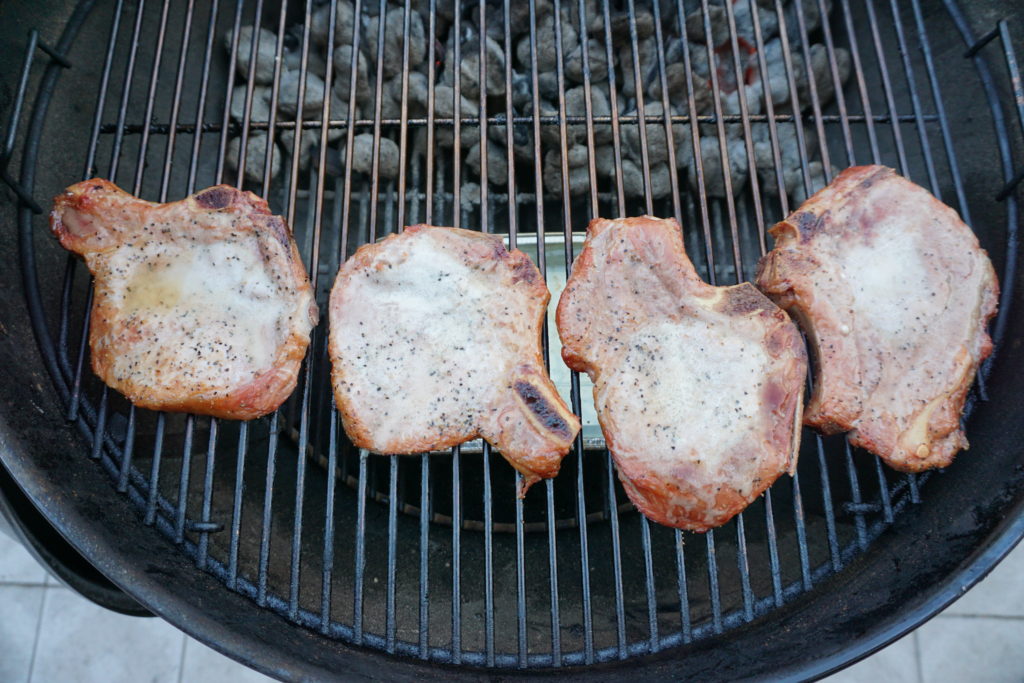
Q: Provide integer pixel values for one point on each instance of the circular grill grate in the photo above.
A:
(471, 574)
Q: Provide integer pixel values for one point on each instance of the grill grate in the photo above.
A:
(606, 587)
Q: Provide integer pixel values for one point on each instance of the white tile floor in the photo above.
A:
(48, 633)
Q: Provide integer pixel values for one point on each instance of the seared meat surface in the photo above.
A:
(200, 305)
(894, 293)
(698, 388)
(435, 340)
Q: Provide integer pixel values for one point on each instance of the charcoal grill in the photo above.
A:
(279, 544)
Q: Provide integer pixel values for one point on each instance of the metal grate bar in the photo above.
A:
(773, 550)
(204, 536)
(243, 434)
(684, 597)
(787, 59)
(826, 498)
(915, 100)
(713, 590)
(327, 572)
(424, 555)
(186, 464)
(744, 569)
(456, 548)
(612, 502)
(748, 138)
(830, 524)
(485, 227)
(812, 88)
(360, 559)
(513, 227)
(887, 87)
(268, 498)
(940, 108)
(236, 506)
(645, 534)
(912, 479)
(666, 106)
(588, 629)
(883, 485)
(126, 452)
(390, 625)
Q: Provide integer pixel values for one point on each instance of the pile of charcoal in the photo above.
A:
(719, 62)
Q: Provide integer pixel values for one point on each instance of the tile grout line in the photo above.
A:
(21, 584)
(181, 660)
(1003, 617)
(918, 666)
(39, 629)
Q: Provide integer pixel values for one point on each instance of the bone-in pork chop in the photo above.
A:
(200, 305)
(698, 388)
(894, 293)
(435, 340)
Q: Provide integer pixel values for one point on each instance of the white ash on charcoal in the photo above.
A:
(497, 163)
(312, 97)
(338, 112)
(343, 76)
(469, 66)
(767, 19)
(547, 86)
(545, 52)
(444, 107)
(597, 60)
(822, 71)
(522, 138)
(266, 53)
(820, 68)
(789, 151)
(620, 28)
(522, 92)
(344, 22)
(811, 13)
(362, 156)
(416, 99)
(394, 40)
(309, 144)
(259, 110)
(657, 140)
(675, 79)
(707, 40)
(576, 105)
(648, 57)
(633, 180)
(753, 96)
(697, 27)
(579, 172)
(469, 195)
(255, 156)
(816, 171)
(711, 163)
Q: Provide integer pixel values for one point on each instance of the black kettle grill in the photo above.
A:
(278, 543)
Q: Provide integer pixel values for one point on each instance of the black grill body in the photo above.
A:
(282, 546)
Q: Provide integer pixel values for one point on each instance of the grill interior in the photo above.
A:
(433, 556)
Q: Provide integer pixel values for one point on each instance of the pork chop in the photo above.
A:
(200, 305)
(698, 388)
(894, 293)
(435, 340)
